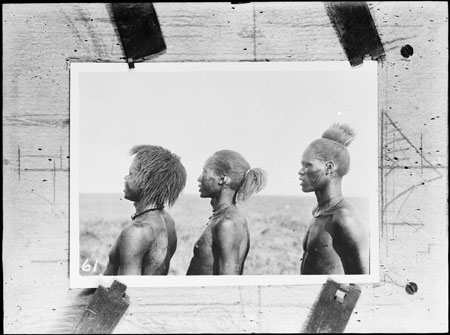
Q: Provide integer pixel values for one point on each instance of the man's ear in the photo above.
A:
(224, 179)
(329, 167)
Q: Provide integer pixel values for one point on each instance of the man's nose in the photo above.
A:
(199, 179)
(300, 172)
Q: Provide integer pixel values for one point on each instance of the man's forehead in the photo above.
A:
(209, 161)
(134, 164)
(310, 154)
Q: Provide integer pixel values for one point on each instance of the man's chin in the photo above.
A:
(130, 198)
(203, 195)
(306, 190)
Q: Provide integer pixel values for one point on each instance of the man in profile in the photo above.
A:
(146, 246)
(226, 179)
(337, 241)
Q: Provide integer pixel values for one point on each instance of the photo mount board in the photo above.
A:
(369, 113)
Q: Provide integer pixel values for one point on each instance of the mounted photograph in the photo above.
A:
(219, 174)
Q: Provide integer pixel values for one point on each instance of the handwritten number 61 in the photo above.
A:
(86, 267)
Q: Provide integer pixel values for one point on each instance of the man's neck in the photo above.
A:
(329, 193)
(225, 199)
(140, 206)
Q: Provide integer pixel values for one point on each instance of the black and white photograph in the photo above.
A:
(263, 172)
(225, 167)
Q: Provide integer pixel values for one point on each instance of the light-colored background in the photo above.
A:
(40, 41)
(269, 112)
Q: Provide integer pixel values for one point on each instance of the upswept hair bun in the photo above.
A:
(340, 133)
(333, 146)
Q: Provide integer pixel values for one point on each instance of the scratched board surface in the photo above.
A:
(39, 43)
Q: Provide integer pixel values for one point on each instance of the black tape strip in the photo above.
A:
(139, 30)
(356, 30)
(333, 308)
(104, 311)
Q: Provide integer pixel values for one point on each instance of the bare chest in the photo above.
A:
(203, 247)
(320, 237)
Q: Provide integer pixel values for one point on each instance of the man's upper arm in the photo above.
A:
(227, 242)
(351, 242)
(132, 247)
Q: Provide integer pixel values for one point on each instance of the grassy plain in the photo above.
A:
(277, 225)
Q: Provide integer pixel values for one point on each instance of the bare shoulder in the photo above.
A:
(168, 218)
(135, 235)
(347, 219)
(231, 223)
(346, 212)
(233, 214)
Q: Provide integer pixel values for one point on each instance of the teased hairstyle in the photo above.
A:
(161, 176)
(333, 146)
(244, 180)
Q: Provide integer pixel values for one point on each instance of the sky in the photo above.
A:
(268, 112)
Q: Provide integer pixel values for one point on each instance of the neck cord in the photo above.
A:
(135, 215)
(319, 213)
(217, 210)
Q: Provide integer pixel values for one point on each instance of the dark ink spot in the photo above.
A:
(44, 179)
(50, 159)
(39, 149)
(406, 168)
(396, 158)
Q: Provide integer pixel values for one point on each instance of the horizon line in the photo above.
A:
(270, 194)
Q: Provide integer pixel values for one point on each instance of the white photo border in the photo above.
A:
(78, 281)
